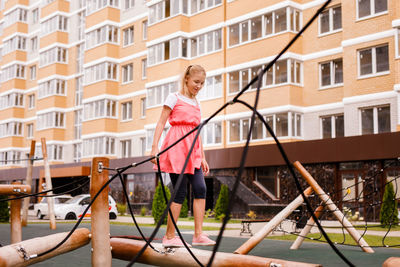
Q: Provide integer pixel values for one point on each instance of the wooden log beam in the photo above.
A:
(392, 262)
(28, 181)
(270, 226)
(126, 249)
(11, 256)
(332, 207)
(14, 189)
(49, 185)
(101, 252)
(15, 220)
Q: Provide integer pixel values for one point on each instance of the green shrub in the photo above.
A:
(143, 211)
(184, 210)
(121, 208)
(388, 214)
(159, 204)
(221, 207)
(4, 213)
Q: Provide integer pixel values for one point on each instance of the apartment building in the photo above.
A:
(91, 76)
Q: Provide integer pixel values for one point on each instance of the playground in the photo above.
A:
(310, 252)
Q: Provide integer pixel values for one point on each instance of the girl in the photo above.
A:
(183, 113)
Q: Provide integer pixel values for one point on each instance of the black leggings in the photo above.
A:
(197, 181)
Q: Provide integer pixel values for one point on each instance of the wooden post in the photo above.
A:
(15, 220)
(101, 251)
(332, 207)
(28, 182)
(49, 186)
(126, 249)
(260, 235)
(310, 223)
(10, 256)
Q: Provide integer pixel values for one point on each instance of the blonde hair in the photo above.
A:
(190, 70)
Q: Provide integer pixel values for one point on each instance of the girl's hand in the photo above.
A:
(204, 166)
(153, 153)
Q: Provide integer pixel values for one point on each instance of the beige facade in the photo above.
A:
(91, 79)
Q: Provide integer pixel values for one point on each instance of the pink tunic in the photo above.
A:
(183, 118)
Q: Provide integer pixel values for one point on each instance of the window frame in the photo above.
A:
(374, 72)
(372, 14)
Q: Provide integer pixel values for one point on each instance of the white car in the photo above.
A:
(41, 209)
(73, 208)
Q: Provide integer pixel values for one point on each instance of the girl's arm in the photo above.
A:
(166, 111)
(204, 164)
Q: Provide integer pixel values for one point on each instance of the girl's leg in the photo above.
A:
(176, 204)
(175, 209)
(199, 205)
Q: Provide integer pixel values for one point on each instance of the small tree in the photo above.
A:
(184, 210)
(159, 204)
(388, 214)
(221, 207)
(4, 213)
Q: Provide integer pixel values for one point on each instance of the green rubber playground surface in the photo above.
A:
(309, 252)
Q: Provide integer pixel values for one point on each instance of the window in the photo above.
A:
(52, 87)
(129, 4)
(101, 71)
(15, 43)
(144, 30)
(53, 55)
(284, 71)
(32, 71)
(104, 34)
(144, 68)
(332, 126)
(167, 8)
(56, 23)
(99, 146)
(398, 42)
(143, 107)
(375, 120)
(31, 101)
(267, 178)
(35, 15)
(34, 44)
(142, 146)
(79, 58)
(128, 36)
(55, 152)
(211, 133)
(48, 120)
(104, 108)
(126, 148)
(29, 130)
(11, 129)
(127, 73)
(17, 15)
(15, 71)
(12, 100)
(78, 124)
(78, 91)
(81, 25)
(95, 5)
(368, 8)
(10, 157)
(330, 20)
(126, 110)
(156, 95)
(373, 60)
(205, 43)
(212, 88)
(331, 73)
(77, 152)
(288, 124)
